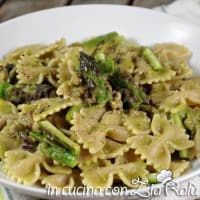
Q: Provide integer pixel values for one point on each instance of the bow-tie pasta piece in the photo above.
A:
(7, 143)
(136, 168)
(59, 181)
(8, 116)
(149, 76)
(197, 143)
(97, 143)
(57, 175)
(159, 92)
(43, 107)
(7, 108)
(113, 122)
(171, 51)
(192, 124)
(192, 97)
(14, 126)
(4, 75)
(156, 149)
(71, 90)
(14, 56)
(112, 149)
(30, 70)
(16, 122)
(104, 176)
(67, 75)
(98, 177)
(181, 69)
(95, 140)
(115, 135)
(68, 66)
(51, 51)
(192, 83)
(188, 97)
(129, 156)
(85, 130)
(174, 56)
(92, 130)
(52, 67)
(51, 57)
(158, 124)
(52, 168)
(13, 121)
(171, 102)
(86, 159)
(22, 167)
(141, 144)
(175, 136)
(137, 122)
(125, 57)
(131, 171)
(179, 167)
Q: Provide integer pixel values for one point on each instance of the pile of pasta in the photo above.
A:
(117, 142)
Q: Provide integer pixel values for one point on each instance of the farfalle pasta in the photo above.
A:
(15, 55)
(149, 76)
(98, 113)
(40, 109)
(58, 180)
(156, 149)
(68, 65)
(178, 167)
(126, 168)
(105, 136)
(51, 51)
(30, 70)
(137, 122)
(22, 166)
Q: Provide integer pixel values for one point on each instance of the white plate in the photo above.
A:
(80, 22)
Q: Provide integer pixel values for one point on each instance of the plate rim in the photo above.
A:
(42, 191)
(43, 11)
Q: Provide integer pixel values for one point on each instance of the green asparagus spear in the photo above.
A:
(153, 178)
(59, 154)
(132, 95)
(94, 78)
(63, 139)
(3, 89)
(178, 117)
(106, 64)
(104, 43)
(100, 39)
(151, 59)
(183, 154)
(69, 115)
(50, 148)
(41, 137)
